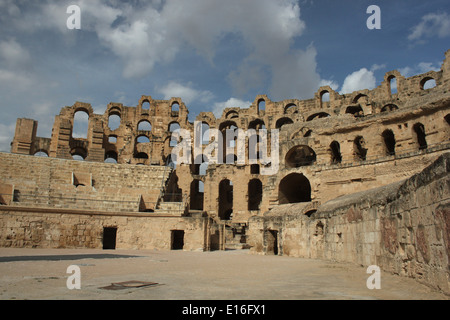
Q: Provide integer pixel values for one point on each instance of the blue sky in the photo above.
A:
(211, 53)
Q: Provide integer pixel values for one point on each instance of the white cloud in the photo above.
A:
(420, 68)
(431, 25)
(230, 103)
(359, 80)
(185, 92)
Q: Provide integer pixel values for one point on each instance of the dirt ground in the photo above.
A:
(180, 275)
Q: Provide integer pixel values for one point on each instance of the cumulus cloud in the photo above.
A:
(359, 80)
(186, 92)
(420, 68)
(143, 34)
(230, 103)
(431, 25)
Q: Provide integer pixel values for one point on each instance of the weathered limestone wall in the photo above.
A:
(67, 229)
(70, 184)
(403, 228)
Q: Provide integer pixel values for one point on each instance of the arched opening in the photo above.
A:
(144, 125)
(356, 111)
(197, 192)
(359, 149)
(325, 96)
(427, 83)
(255, 192)
(80, 124)
(261, 105)
(389, 142)
(111, 157)
(202, 169)
(299, 156)
(175, 109)
(229, 136)
(335, 149)
(141, 155)
(232, 115)
(225, 199)
(392, 85)
(283, 121)
(389, 107)
(142, 139)
(290, 109)
(317, 116)
(114, 121)
(419, 129)
(256, 124)
(294, 188)
(173, 127)
(145, 105)
(41, 153)
(205, 133)
(112, 139)
(79, 154)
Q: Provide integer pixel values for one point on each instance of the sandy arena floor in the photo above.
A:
(180, 275)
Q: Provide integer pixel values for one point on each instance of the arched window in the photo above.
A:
(225, 199)
(111, 157)
(283, 121)
(389, 142)
(79, 154)
(392, 84)
(300, 156)
(294, 188)
(359, 149)
(112, 139)
(335, 150)
(144, 125)
(205, 133)
(175, 109)
(41, 153)
(419, 129)
(356, 111)
(389, 107)
(261, 105)
(141, 155)
(173, 127)
(196, 198)
(325, 96)
(427, 83)
(255, 192)
(142, 139)
(318, 115)
(290, 109)
(113, 121)
(145, 105)
(80, 125)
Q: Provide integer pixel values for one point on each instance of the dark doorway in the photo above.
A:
(272, 242)
(225, 199)
(420, 132)
(109, 238)
(177, 241)
(389, 142)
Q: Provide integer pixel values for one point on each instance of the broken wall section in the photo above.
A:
(404, 228)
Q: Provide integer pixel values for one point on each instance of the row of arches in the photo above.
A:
(303, 155)
(294, 188)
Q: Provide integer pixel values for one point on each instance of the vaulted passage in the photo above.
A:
(294, 188)
(300, 156)
(419, 129)
(389, 142)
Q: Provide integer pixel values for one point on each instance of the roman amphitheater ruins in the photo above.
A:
(361, 178)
